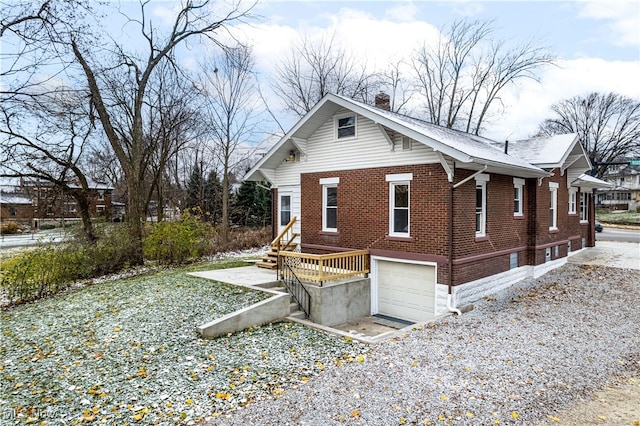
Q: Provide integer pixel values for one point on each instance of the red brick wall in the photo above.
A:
(363, 210)
(23, 212)
(363, 220)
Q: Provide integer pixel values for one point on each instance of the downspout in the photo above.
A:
(450, 307)
(453, 186)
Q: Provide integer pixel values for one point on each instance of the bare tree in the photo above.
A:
(394, 81)
(608, 124)
(115, 75)
(44, 138)
(463, 73)
(123, 119)
(314, 69)
(233, 111)
(174, 122)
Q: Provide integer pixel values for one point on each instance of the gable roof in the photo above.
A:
(472, 151)
(550, 152)
(587, 181)
(14, 199)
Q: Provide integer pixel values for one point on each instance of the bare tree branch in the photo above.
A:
(608, 125)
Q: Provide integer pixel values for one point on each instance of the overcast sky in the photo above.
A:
(597, 43)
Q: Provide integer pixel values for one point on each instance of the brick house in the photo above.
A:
(34, 202)
(51, 204)
(15, 208)
(446, 217)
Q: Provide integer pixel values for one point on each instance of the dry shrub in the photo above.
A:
(10, 227)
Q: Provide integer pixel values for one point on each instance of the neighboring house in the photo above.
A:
(624, 193)
(445, 217)
(15, 208)
(47, 202)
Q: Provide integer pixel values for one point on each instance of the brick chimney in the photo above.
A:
(383, 101)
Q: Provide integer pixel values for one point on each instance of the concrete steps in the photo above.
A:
(294, 309)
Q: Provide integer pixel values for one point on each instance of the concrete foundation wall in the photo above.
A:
(266, 311)
(470, 292)
(340, 302)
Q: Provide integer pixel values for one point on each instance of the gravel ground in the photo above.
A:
(520, 357)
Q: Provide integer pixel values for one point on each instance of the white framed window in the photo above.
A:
(100, 195)
(285, 209)
(584, 207)
(399, 202)
(345, 126)
(330, 204)
(553, 205)
(518, 196)
(481, 205)
(573, 196)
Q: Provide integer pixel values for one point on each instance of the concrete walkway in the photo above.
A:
(243, 276)
(614, 254)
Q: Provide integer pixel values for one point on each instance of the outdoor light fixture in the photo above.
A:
(292, 156)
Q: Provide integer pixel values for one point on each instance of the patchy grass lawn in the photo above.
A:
(622, 218)
(127, 351)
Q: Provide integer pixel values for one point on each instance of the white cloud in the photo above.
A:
(468, 8)
(380, 41)
(405, 12)
(623, 17)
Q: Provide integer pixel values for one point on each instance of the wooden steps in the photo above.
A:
(270, 259)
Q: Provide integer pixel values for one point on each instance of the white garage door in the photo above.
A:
(406, 290)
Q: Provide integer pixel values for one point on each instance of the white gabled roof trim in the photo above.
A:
(586, 181)
(467, 149)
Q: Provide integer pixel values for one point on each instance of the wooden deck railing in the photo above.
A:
(320, 268)
(285, 237)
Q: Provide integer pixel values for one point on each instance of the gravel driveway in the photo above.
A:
(519, 357)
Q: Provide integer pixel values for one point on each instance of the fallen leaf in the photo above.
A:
(355, 413)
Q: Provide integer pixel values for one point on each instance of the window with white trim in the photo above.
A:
(345, 126)
(573, 196)
(553, 205)
(399, 202)
(518, 196)
(584, 207)
(330, 204)
(481, 205)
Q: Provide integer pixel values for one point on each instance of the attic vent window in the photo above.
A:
(406, 143)
(345, 126)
